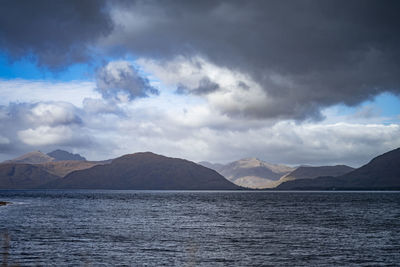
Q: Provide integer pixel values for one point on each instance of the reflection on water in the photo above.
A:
(6, 247)
(95, 228)
(5, 238)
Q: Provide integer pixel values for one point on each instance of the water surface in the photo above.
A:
(186, 228)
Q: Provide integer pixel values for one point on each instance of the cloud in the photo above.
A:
(4, 140)
(304, 56)
(57, 33)
(43, 125)
(206, 86)
(227, 91)
(300, 56)
(200, 135)
(119, 80)
(249, 71)
(98, 106)
(367, 112)
(45, 135)
(53, 114)
(187, 130)
(32, 91)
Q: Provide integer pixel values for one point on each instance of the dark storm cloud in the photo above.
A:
(305, 54)
(323, 52)
(56, 32)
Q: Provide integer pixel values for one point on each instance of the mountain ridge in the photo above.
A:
(311, 172)
(145, 171)
(34, 157)
(23, 176)
(251, 172)
(381, 173)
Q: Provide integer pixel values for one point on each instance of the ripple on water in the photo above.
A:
(200, 228)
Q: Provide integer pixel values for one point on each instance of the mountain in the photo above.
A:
(145, 171)
(23, 176)
(35, 157)
(251, 172)
(61, 155)
(382, 172)
(308, 172)
(62, 168)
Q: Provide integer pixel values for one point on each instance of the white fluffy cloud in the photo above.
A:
(227, 91)
(283, 142)
(45, 135)
(31, 126)
(188, 126)
(54, 113)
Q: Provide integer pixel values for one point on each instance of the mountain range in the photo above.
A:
(308, 172)
(133, 171)
(146, 170)
(256, 174)
(58, 162)
(381, 173)
(250, 172)
(38, 157)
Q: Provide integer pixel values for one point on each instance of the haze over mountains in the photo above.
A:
(257, 174)
(150, 171)
(251, 172)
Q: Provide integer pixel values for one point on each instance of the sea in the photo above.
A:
(199, 228)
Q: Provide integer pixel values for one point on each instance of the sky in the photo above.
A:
(291, 82)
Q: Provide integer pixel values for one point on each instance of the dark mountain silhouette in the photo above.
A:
(23, 176)
(382, 172)
(60, 155)
(308, 172)
(145, 171)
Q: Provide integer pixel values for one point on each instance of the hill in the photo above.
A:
(382, 172)
(23, 176)
(308, 172)
(145, 171)
(251, 172)
(62, 168)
